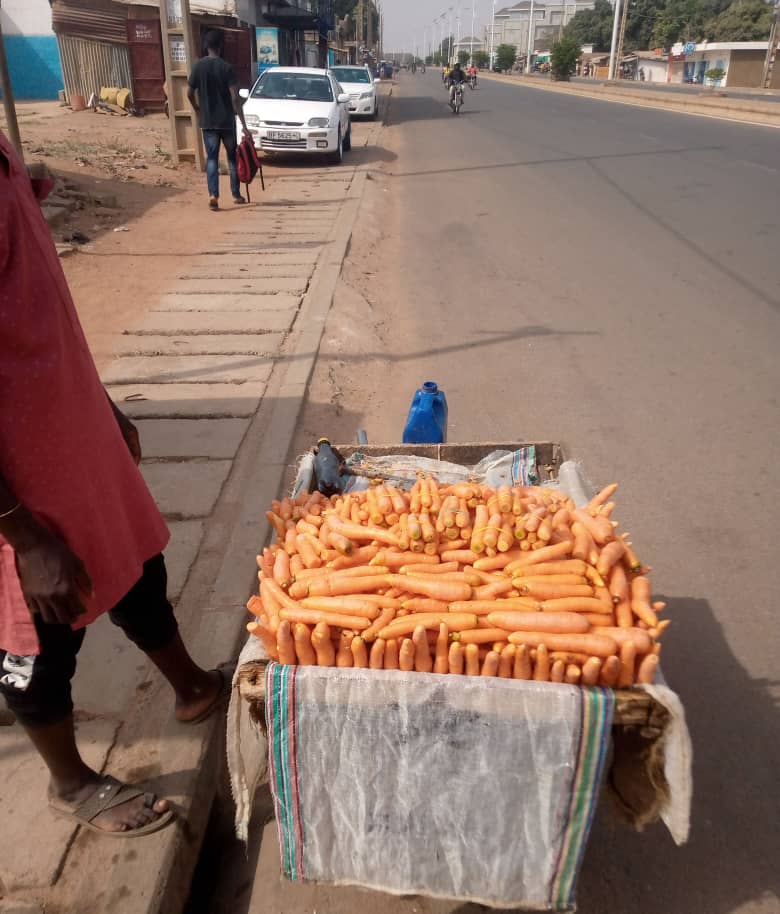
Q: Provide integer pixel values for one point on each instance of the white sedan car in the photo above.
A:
(358, 83)
(298, 109)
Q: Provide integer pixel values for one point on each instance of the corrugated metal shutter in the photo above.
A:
(68, 17)
(88, 65)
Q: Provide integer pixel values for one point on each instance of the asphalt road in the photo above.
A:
(607, 277)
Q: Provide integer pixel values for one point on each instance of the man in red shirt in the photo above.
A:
(80, 534)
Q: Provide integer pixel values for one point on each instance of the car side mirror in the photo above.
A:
(243, 93)
(343, 99)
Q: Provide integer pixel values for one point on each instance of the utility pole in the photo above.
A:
(8, 100)
(531, 38)
(613, 44)
(771, 51)
(492, 36)
(449, 55)
(621, 39)
(473, 17)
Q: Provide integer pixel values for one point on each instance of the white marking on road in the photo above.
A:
(757, 165)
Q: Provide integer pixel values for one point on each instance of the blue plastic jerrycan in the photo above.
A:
(427, 421)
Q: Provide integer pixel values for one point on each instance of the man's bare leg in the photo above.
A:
(196, 689)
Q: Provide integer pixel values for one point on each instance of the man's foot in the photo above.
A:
(205, 698)
(239, 200)
(213, 202)
(105, 804)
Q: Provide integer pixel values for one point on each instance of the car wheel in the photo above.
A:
(348, 139)
(375, 112)
(336, 157)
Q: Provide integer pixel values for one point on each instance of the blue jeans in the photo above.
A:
(211, 140)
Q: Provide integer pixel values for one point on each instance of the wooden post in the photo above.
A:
(619, 56)
(176, 28)
(771, 51)
(8, 100)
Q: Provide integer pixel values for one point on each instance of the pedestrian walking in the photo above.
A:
(213, 92)
(80, 534)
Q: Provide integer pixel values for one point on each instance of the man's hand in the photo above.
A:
(54, 580)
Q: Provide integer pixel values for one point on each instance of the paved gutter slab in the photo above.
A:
(245, 285)
(217, 322)
(200, 369)
(198, 344)
(255, 271)
(186, 495)
(186, 536)
(187, 400)
(183, 438)
(227, 302)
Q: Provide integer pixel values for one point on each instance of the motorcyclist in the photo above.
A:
(457, 77)
(472, 71)
(445, 74)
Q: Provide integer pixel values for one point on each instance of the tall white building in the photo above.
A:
(511, 23)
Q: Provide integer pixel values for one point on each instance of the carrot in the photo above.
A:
(266, 636)
(490, 664)
(340, 542)
(526, 581)
(285, 644)
(313, 616)
(307, 552)
(303, 527)
(481, 520)
(281, 570)
(584, 546)
(464, 556)
(661, 628)
(455, 658)
(645, 674)
(255, 605)
(439, 588)
(471, 652)
(269, 586)
(385, 617)
(591, 670)
(426, 527)
(359, 652)
(422, 653)
(322, 644)
(600, 528)
(441, 663)
(522, 666)
(569, 656)
(483, 607)
(611, 554)
(610, 670)
(425, 605)
(557, 671)
(407, 624)
(504, 495)
(573, 674)
(562, 623)
(352, 606)
(391, 654)
(631, 558)
(542, 664)
(497, 562)
(573, 605)
(540, 556)
(336, 587)
(542, 591)
(596, 645)
(640, 601)
(491, 591)
(479, 635)
(376, 658)
(603, 496)
(642, 640)
(360, 532)
(627, 663)
(427, 568)
(492, 531)
(396, 560)
(303, 648)
(361, 556)
(554, 568)
(506, 663)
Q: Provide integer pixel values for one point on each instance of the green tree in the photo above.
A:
(744, 20)
(506, 55)
(463, 57)
(593, 26)
(481, 58)
(563, 58)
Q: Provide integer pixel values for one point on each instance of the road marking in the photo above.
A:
(636, 104)
(757, 165)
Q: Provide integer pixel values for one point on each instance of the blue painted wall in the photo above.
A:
(34, 62)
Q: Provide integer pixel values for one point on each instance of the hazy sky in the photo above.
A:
(406, 19)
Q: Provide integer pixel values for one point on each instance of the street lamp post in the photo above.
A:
(531, 37)
(449, 27)
(613, 44)
(492, 36)
(473, 17)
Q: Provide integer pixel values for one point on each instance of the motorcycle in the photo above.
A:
(457, 100)
(473, 82)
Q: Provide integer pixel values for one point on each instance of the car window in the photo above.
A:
(293, 87)
(351, 75)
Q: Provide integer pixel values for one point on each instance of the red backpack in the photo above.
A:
(248, 163)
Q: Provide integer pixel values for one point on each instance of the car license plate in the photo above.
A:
(283, 135)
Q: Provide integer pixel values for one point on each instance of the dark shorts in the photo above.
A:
(37, 688)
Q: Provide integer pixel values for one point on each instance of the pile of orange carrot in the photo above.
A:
(514, 582)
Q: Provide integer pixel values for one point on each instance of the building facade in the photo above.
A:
(511, 24)
(31, 46)
(741, 61)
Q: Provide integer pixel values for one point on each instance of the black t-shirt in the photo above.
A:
(213, 77)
